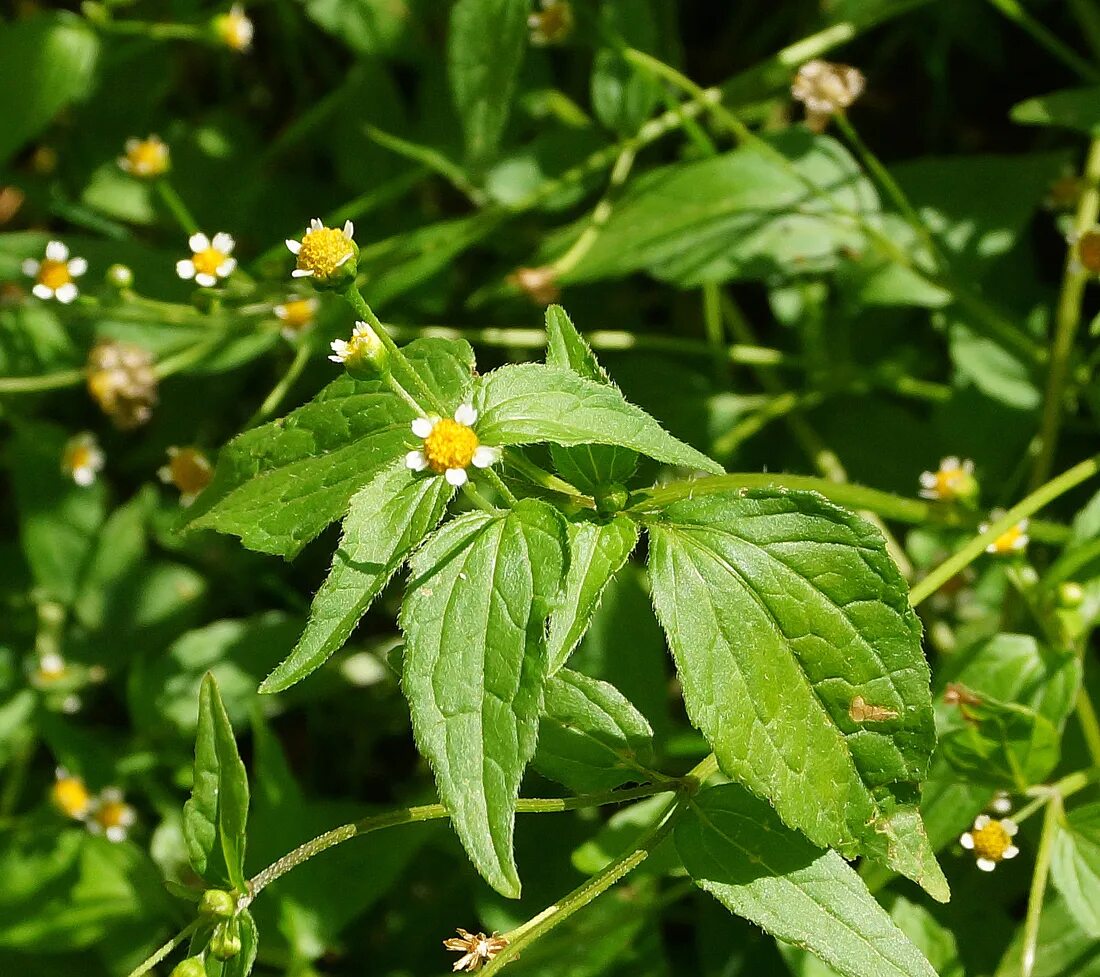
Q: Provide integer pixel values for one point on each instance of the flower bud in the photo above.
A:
(217, 904)
(120, 276)
(225, 944)
(611, 500)
(191, 967)
(1070, 594)
(363, 356)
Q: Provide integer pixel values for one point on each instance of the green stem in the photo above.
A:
(1067, 321)
(1039, 884)
(1046, 39)
(1088, 16)
(494, 479)
(1089, 723)
(163, 952)
(47, 381)
(885, 504)
(1042, 496)
(552, 483)
(156, 32)
(190, 356)
(712, 323)
(174, 202)
(781, 405)
(279, 391)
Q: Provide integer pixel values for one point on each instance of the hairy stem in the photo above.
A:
(1039, 884)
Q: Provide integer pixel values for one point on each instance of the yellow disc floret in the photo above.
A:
(991, 841)
(297, 313)
(324, 251)
(188, 469)
(145, 158)
(450, 445)
(54, 274)
(208, 261)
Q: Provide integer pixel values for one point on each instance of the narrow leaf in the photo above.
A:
(475, 666)
(597, 552)
(532, 403)
(591, 737)
(800, 661)
(734, 847)
(386, 519)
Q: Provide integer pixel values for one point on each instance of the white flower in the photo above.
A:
(450, 446)
(1012, 540)
(112, 816)
(210, 259)
(954, 479)
(296, 315)
(54, 274)
(364, 345)
(83, 459)
(323, 251)
(990, 841)
(234, 29)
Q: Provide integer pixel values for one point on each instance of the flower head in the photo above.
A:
(296, 315)
(1012, 540)
(991, 841)
(450, 446)
(189, 470)
(477, 949)
(952, 481)
(363, 355)
(145, 158)
(1087, 250)
(538, 284)
(111, 815)
(53, 275)
(83, 459)
(826, 89)
(70, 795)
(552, 24)
(51, 670)
(234, 29)
(210, 259)
(328, 255)
(123, 382)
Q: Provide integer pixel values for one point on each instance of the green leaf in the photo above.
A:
(993, 370)
(801, 663)
(46, 62)
(740, 215)
(735, 848)
(475, 666)
(1001, 744)
(532, 403)
(241, 965)
(1070, 108)
(591, 738)
(485, 49)
(597, 551)
(387, 518)
(279, 485)
(372, 27)
(215, 818)
(590, 467)
(1075, 867)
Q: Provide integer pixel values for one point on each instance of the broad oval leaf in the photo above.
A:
(591, 737)
(1075, 867)
(597, 551)
(475, 666)
(799, 657)
(386, 519)
(278, 485)
(530, 403)
(215, 817)
(734, 847)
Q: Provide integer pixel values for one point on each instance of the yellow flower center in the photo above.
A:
(190, 471)
(234, 29)
(148, 158)
(1006, 542)
(949, 483)
(450, 445)
(113, 814)
(54, 274)
(323, 251)
(992, 841)
(297, 314)
(77, 457)
(70, 796)
(208, 261)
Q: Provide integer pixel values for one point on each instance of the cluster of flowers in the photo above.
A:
(954, 482)
(105, 813)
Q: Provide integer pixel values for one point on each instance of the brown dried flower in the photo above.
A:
(539, 284)
(477, 949)
(825, 89)
(123, 382)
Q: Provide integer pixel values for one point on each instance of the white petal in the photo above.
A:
(301, 273)
(66, 293)
(1011, 852)
(344, 260)
(205, 280)
(928, 479)
(1010, 826)
(132, 143)
(416, 461)
(223, 242)
(116, 833)
(185, 269)
(84, 476)
(315, 224)
(925, 493)
(42, 291)
(456, 476)
(484, 456)
(981, 821)
(340, 348)
(422, 426)
(986, 864)
(198, 242)
(1020, 542)
(465, 414)
(949, 464)
(225, 269)
(77, 267)
(349, 229)
(293, 246)
(967, 841)
(56, 251)
(30, 267)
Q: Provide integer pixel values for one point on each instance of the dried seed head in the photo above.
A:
(123, 382)
(825, 89)
(477, 949)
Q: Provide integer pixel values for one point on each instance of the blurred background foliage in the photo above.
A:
(747, 317)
